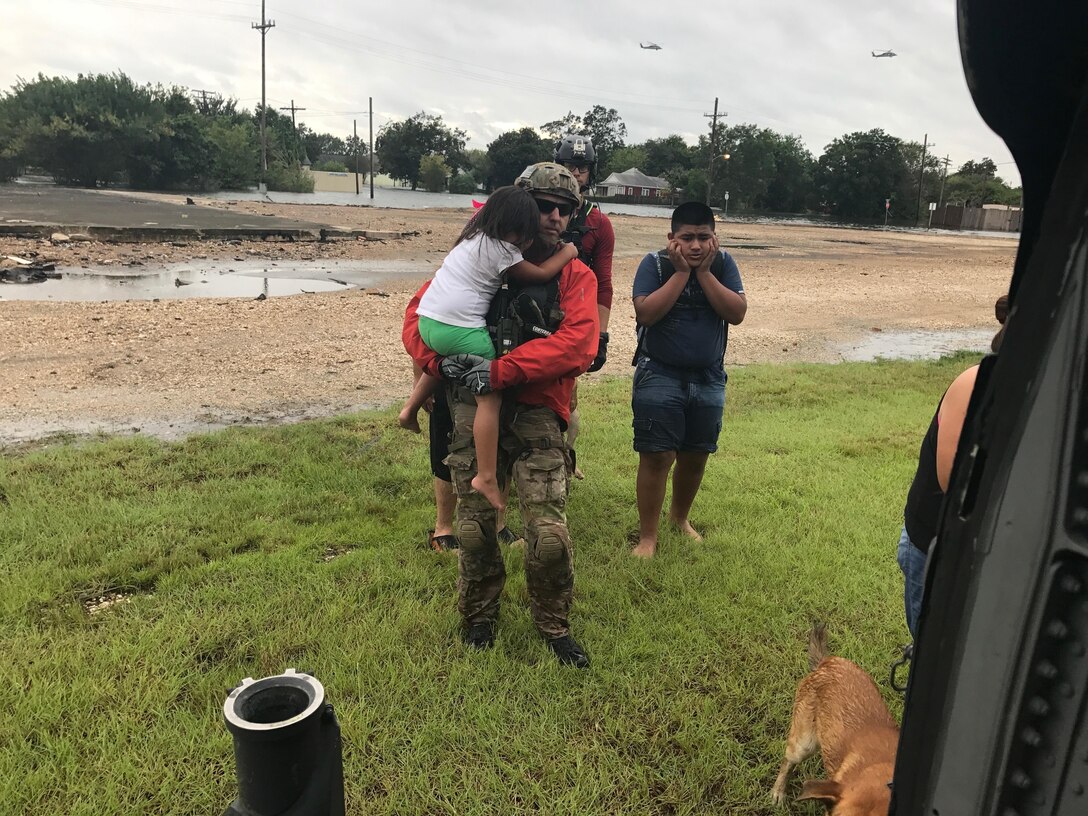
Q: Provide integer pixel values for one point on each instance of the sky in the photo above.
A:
(800, 67)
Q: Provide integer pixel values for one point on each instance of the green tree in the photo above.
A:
(930, 177)
(478, 162)
(555, 129)
(765, 171)
(402, 145)
(216, 107)
(858, 171)
(602, 124)
(792, 188)
(317, 145)
(9, 154)
(747, 173)
(283, 138)
(433, 172)
(177, 159)
(512, 152)
(82, 131)
(691, 186)
(977, 183)
(607, 129)
(286, 174)
(670, 157)
(624, 158)
(236, 159)
(463, 183)
(985, 168)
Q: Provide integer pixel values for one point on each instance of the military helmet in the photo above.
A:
(575, 149)
(551, 178)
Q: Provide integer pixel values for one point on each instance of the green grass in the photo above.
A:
(222, 541)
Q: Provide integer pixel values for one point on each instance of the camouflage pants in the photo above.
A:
(532, 450)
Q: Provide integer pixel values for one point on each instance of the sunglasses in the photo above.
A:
(546, 207)
(581, 168)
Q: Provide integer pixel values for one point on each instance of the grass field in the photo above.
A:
(248, 551)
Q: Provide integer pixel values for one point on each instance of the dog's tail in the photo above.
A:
(817, 645)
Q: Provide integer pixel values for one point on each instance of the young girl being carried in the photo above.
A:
(453, 310)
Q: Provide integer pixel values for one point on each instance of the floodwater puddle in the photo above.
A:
(213, 279)
(914, 345)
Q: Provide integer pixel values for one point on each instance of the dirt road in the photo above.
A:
(169, 367)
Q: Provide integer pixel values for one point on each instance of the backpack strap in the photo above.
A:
(640, 331)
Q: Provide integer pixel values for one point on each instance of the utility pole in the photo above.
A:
(294, 129)
(370, 110)
(204, 96)
(921, 172)
(263, 27)
(944, 175)
(713, 117)
(355, 132)
(293, 108)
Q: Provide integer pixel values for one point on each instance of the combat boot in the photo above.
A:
(480, 635)
(569, 652)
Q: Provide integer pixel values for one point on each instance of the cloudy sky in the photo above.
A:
(797, 66)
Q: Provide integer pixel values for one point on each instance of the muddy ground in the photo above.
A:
(172, 366)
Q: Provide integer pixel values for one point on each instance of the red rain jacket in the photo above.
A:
(541, 370)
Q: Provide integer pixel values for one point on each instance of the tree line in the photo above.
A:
(103, 129)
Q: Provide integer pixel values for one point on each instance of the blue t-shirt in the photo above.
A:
(691, 335)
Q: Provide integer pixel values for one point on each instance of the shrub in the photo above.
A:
(289, 178)
(433, 172)
(463, 183)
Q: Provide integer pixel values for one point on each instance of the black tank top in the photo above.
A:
(923, 510)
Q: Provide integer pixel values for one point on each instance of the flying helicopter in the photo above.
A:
(650, 46)
(888, 53)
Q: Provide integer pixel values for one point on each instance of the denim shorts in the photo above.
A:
(675, 412)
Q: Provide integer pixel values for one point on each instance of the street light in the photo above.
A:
(710, 175)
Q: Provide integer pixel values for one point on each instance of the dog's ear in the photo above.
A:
(823, 789)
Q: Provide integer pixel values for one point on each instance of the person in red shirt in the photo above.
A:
(591, 232)
(537, 379)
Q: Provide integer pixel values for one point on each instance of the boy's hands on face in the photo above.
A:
(712, 251)
(679, 262)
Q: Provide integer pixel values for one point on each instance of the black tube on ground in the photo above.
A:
(287, 748)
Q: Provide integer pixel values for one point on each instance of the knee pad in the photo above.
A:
(471, 535)
(550, 548)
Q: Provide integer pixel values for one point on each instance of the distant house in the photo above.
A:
(633, 183)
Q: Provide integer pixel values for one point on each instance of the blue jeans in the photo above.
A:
(913, 563)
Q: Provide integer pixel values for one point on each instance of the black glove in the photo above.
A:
(472, 370)
(602, 353)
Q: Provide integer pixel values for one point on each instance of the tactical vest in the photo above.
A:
(576, 231)
(523, 312)
(688, 298)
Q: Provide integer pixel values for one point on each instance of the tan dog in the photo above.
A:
(839, 710)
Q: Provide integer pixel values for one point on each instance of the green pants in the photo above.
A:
(533, 450)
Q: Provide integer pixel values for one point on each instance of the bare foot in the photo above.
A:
(686, 528)
(409, 420)
(489, 489)
(646, 548)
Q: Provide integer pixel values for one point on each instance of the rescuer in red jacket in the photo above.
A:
(559, 330)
